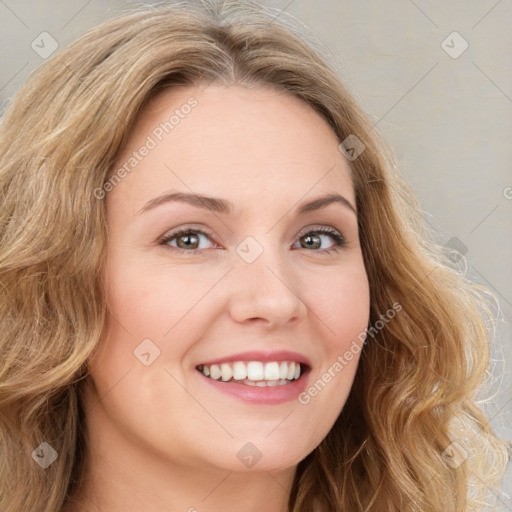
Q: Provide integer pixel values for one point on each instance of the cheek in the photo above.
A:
(340, 301)
(167, 304)
(149, 301)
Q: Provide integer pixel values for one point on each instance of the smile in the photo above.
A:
(254, 373)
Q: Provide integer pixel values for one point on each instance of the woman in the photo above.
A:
(217, 293)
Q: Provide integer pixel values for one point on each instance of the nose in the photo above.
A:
(264, 292)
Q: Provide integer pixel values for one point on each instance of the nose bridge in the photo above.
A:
(256, 255)
(265, 284)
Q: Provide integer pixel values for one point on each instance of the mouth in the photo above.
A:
(257, 377)
(255, 373)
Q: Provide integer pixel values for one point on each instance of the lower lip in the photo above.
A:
(268, 395)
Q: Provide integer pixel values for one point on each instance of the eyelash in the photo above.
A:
(336, 236)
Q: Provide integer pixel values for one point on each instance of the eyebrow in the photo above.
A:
(225, 207)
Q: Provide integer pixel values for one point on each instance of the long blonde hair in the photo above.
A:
(414, 394)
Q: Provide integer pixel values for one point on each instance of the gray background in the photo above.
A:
(448, 119)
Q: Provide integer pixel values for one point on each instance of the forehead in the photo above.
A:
(233, 140)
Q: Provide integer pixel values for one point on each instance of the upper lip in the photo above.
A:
(261, 355)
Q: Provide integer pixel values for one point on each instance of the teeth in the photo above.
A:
(227, 371)
(254, 373)
(239, 371)
(265, 383)
(291, 371)
(215, 372)
(283, 370)
(255, 370)
(272, 371)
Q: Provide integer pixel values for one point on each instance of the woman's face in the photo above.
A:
(247, 283)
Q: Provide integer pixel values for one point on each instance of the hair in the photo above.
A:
(416, 388)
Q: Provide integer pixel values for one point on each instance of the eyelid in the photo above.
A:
(318, 227)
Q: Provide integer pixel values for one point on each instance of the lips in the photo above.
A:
(258, 377)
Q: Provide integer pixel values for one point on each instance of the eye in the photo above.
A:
(188, 240)
(313, 239)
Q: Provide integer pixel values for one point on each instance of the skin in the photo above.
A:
(159, 437)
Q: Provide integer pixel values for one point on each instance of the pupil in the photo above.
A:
(313, 240)
(188, 243)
